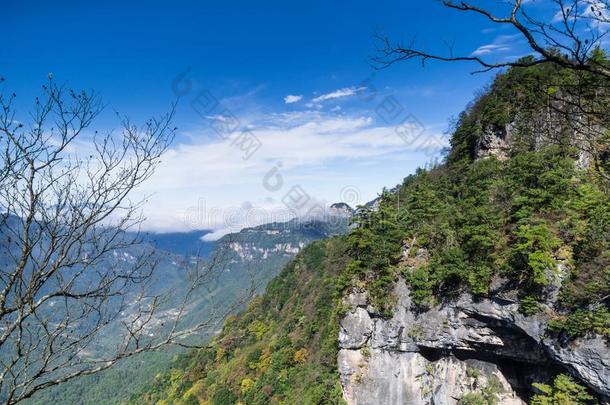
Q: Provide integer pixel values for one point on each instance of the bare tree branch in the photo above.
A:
(571, 39)
(568, 42)
(70, 271)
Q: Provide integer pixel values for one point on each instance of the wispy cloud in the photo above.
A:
(490, 48)
(598, 14)
(340, 93)
(304, 142)
(501, 43)
(289, 99)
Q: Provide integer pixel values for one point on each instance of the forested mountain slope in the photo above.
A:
(282, 348)
(252, 256)
(483, 280)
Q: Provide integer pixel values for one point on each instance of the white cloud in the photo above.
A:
(598, 14)
(215, 235)
(490, 48)
(591, 15)
(502, 43)
(289, 99)
(322, 152)
(344, 92)
(558, 17)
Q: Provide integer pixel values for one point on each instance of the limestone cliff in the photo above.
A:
(439, 356)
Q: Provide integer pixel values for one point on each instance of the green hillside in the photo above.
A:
(282, 349)
(499, 224)
(514, 225)
(254, 255)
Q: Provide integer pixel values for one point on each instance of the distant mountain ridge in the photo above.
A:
(181, 243)
(254, 254)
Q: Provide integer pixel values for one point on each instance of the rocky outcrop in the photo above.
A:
(389, 377)
(441, 355)
(495, 141)
(536, 129)
(341, 209)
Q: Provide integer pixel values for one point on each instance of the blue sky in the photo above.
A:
(295, 75)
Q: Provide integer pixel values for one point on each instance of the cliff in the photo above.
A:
(474, 281)
(468, 346)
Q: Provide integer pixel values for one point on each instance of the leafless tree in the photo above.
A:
(70, 272)
(569, 34)
(569, 38)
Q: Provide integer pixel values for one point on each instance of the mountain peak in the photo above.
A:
(341, 209)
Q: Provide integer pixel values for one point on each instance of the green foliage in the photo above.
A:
(117, 384)
(583, 322)
(224, 396)
(529, 305)
(282, 349)
(415, 331)
(564, 391)
(492, 389)
(472, 398)
(532, 255)
(523, 220)
(422, 286)
(258, 329)
(477, 220)
(111, 386)
(488, 394)
(473, 373)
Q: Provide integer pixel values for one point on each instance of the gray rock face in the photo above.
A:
(356, 329)
(546, 126)
(388, 377)
(587, 359)
(429, 358)
(495, 141)
(341, 210)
